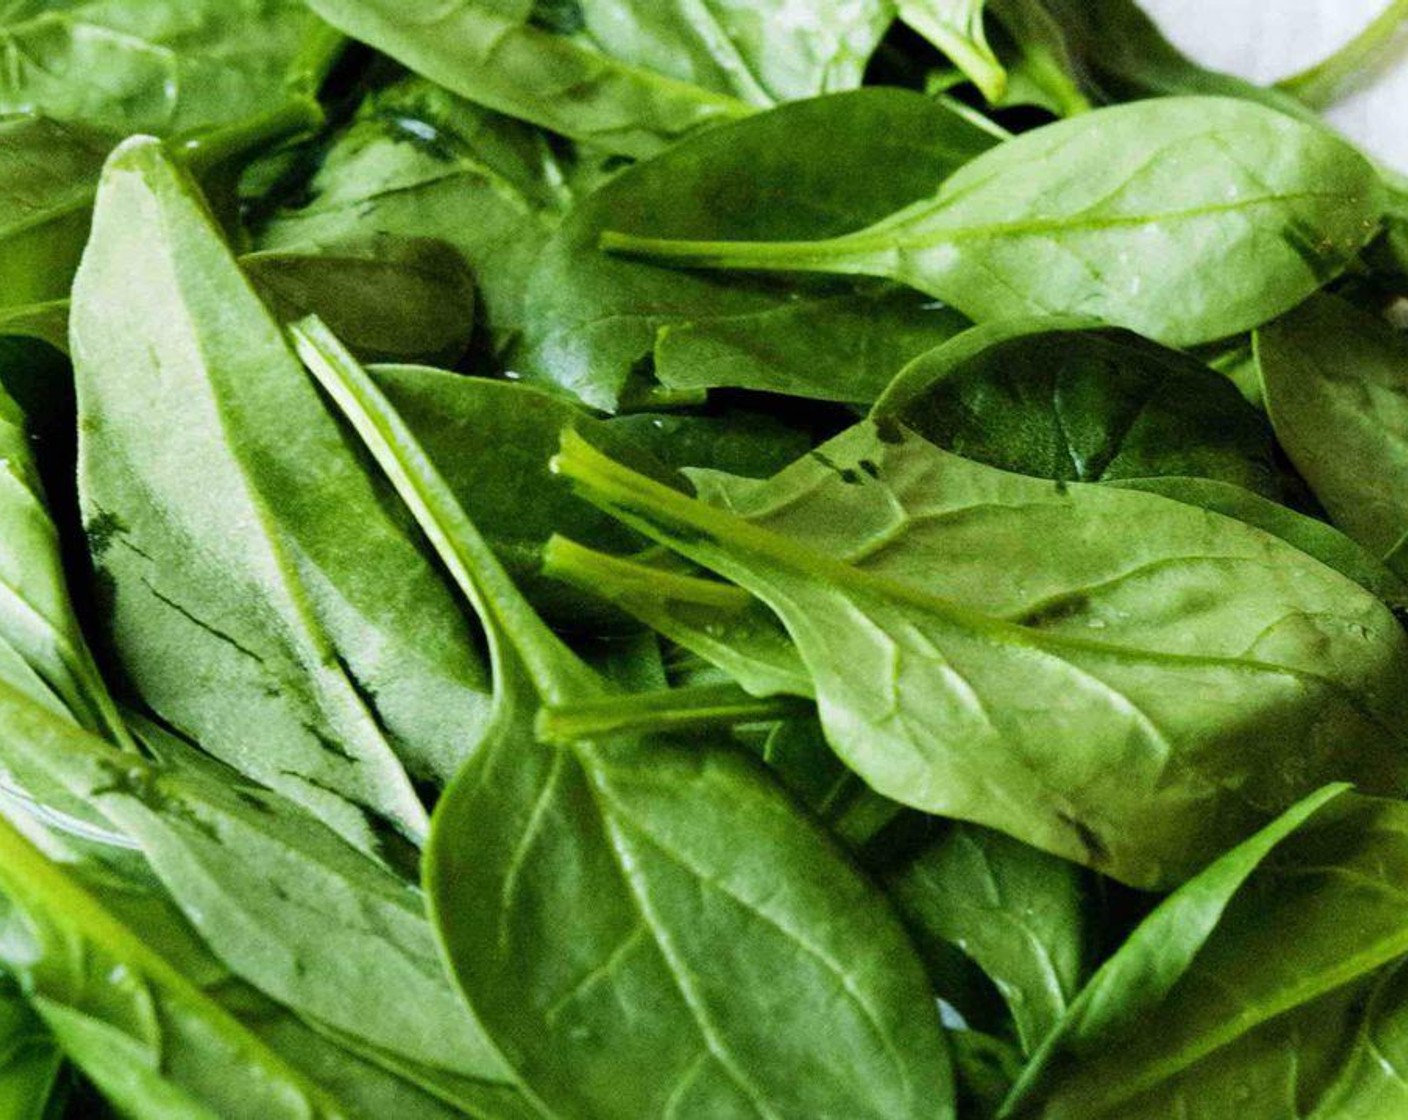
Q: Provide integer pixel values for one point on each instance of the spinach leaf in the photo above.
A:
(515, 500)
(1081, 403)
(1019, 913)
(163, 66)
(1122, 55)
(592, 320)
(45, 653)
(1126, 696)
(258, 587)
(419, 162)
(280, 899)
(1281, 981)
(630, 1009)
(29, 1061)
(47, 172)
(626, 75)
(155, 1041)
(1161, 951)
(1154, 216)
(396, 300)
(1334, 378)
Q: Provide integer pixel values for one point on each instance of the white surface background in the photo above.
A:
(1265, 40)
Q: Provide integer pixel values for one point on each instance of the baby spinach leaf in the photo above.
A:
(1133, 696)
(1081, 403)
(593, 319)
(956, 28)
(47, 171)
(163, 66)
(419, 162)
(260, 590)
(153, 1039)
(1019, 913)
(29, 1061)
(1161, 951)
(399, 299)
(1279, 982)
(626, 75)
(630, 1009)
(1121, 54)
(280, 899)
(1334, 379)
(1152, 216)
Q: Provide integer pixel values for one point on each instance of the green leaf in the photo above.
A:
(1185, 219)
(1042, 70)
(39, 632)
(662, 852)
(419, 162)
(154, 1040)
(280, 899)
(1127, 695)
(1280, 983)
(1128, 987)
(1019, 913)
(163, 66)
(1321, 85)
(29, 1060)
(398, 300)
(1333, 379)
(47, 171)
(625, 75)
(262, 594)
(593, 319)
(1081, 403)
(956, 28)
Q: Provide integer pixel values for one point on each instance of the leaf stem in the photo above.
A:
(674, 709)
(613, 578)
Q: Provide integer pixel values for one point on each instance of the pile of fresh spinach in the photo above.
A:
(600, 560)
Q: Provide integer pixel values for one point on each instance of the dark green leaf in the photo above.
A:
(1019, 913)
(1083, 404)
(161, 66)
(593, 319)
(626, 75)
(1186, 219)
(1335, 380)
(629, 1009)
(1134, 685)
(260, 589)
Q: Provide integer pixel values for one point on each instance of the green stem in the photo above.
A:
(668, 710)
(557, 673)
(205, 152)
(615, 578)
(1322, 84)
(826, 255)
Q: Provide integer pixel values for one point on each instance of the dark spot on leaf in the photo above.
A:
(889, 431)
(101, 531)
(870, 467)
(563, 17)
(1097, 854)
(1057, 610)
